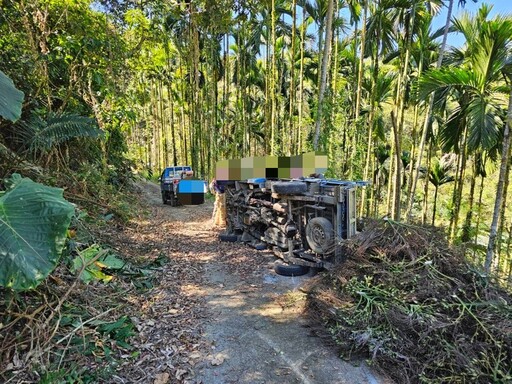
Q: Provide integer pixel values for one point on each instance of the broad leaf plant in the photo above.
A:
(34, 219)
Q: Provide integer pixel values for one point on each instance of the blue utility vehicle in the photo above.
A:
(178, 186)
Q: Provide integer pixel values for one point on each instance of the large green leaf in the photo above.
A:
(10, 99)
(34, 219)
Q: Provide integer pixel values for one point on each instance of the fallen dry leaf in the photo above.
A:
(162, 378)
(180, 373)
(218, 359)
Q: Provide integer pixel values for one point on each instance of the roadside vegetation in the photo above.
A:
(95, 94)
(411, 304)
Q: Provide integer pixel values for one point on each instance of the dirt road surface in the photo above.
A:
(220, 314)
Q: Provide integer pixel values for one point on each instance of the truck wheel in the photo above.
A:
(260, 246)
(174, 201)
(284, 269)
(228, 238)
(164, 200)
(320, 235)
(289, 187)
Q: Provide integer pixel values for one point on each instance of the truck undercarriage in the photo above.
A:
(302, 220)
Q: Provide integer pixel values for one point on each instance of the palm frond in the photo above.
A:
(42, 135)
(440, 32)
(379, 127)
(451, 131)
(439, 172)
(438, 79)
(483, 124)
(454, 57)
(490, 50)
(391, 56)
(384, 86)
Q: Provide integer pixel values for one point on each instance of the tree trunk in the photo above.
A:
(323, 78)
(371, 119)
(425, 186)
(503, 208)
(183, 132)
(435, 205)
(291, 112)
(499, 193)
(414, 141)
(466, 228)
(171, 122)
(273, 81)
(392, 160)
(226, 91)
(360, 68)
(509, 258)
(428, 115)
(350, 159)
(479, 212)
(164, 127)
(409, 28)
(398, 169)
(196, 126)
(301, 81)
(459, 184)
(155, 125)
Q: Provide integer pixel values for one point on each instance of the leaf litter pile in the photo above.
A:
(408, 302)
(94, 321)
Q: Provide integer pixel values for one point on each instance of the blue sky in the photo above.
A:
(455, 39)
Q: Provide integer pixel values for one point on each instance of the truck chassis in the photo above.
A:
(302, 221)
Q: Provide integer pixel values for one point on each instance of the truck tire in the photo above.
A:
(228, 238)
(320, 235)
(164, 200)
(289, 187)
(284, 269)
(260, 246)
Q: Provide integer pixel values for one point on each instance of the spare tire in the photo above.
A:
(284, 269)
(320, 235)
(289, 187)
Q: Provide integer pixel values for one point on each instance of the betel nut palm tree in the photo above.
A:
(479, 86)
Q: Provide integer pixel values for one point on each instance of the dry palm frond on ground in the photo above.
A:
(415, 308)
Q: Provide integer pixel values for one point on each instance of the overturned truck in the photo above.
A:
(301, 219)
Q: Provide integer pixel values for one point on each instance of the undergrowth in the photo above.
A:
(410, 303)
(76, 327)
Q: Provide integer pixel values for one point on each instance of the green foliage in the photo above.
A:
(43, 134)
(440, 170)
(119, 331)
(34, 220)
(120, 168)
(91, 184)
(142, 276)
(72, 375)
(103, 339)
(11, 99)
(475, 82)
(94, 263)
